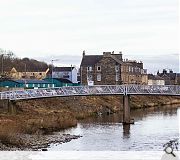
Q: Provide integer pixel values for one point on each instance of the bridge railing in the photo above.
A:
(154, 89)
(62, 91)
(91, 90)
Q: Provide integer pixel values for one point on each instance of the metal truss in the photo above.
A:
(91, 90)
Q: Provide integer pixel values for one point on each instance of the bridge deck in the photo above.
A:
(92, 90)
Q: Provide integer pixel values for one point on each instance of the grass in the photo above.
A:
(9, 131)
(12, 127)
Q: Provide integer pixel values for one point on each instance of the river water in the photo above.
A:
(153, 127)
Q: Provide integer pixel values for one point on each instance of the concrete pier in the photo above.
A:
(12, 107)
(8, 106)
(126, 110)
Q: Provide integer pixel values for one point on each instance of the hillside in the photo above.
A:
(8, 60)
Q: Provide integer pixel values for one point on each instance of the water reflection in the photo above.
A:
(153, 127)
(126, 130)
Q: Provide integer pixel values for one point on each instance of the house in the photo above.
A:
(155, 80)
(170, 78)
(59, 82)
(101, 69)
(111, 69)
(33, 74)
(132, 72)
(26, 83)
(69, 73)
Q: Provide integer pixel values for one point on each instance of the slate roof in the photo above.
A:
(61, 69)
(154, 77)
(61, 80)
(31, 81)
(90, 59)
(28, 69)
(64, 80)
(171, 76)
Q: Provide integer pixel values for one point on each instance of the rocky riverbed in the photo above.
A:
(37, 142)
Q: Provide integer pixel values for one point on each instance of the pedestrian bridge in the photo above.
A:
(169, 90)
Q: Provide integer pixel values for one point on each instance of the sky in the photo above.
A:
(144, 30)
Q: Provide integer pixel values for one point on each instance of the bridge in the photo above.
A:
(125, 90)
(171, 90)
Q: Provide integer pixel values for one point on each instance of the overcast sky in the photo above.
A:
(145, 30)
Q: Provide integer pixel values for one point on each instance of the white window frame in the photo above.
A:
(98, 77)
(98, 67)
(89, 77)
(89, 68)
(117, 77)
(116, 68)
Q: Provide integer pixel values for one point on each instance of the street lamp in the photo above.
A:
(53, 60)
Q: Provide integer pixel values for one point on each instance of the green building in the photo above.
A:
(59, 82)
(26, 83)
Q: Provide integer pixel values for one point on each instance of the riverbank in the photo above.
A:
(39, 118)
(27, 142)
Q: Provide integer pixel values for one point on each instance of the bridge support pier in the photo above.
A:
(126, 110)
(11, 107)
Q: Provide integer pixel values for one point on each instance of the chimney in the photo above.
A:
(120, 56)
(164, 71)
(106, 54)
(84, 53)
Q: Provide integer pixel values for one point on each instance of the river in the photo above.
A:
(153, 127)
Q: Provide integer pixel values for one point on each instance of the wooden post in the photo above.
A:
(126, 110)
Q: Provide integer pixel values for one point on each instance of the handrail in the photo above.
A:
(92, 90)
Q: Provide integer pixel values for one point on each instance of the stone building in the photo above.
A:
(101, 69)
(155, 80)
(170, 78)
(110, 69)
(132, 72)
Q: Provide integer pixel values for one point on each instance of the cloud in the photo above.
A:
(67, 27)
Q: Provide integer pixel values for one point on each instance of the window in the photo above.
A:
(117, 77)
(44, 85)
(98, 68)
(89, 68)
(65, 76)
(89, 77)
(98, 77)
(117, 68)
(40, 74)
